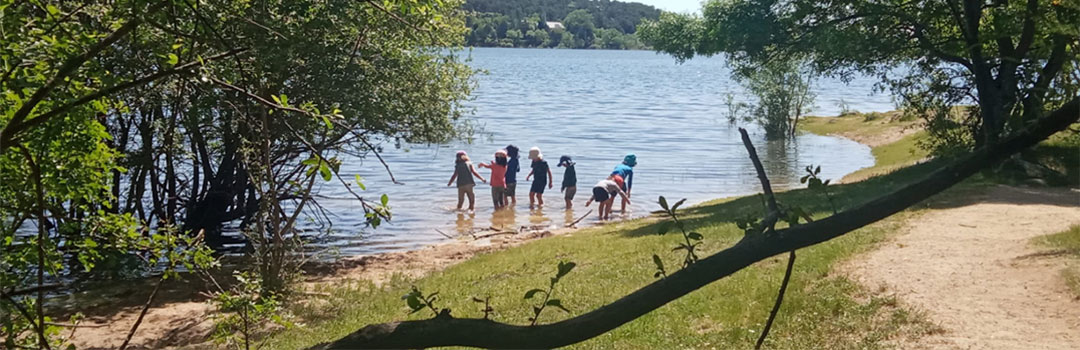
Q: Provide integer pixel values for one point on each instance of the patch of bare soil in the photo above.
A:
(185, 320)
(972, 269)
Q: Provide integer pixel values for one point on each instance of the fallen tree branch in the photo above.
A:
(495, 234)
(579, 219)
(446, 331)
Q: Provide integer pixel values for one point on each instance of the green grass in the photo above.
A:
(892, 156)
(821, 309)
(887, 157)
(1067, 242)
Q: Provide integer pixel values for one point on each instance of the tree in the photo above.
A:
(581, 24)
(514, 36)
(537, 38)
(1005, 56)
(136, 129)
(783, 94)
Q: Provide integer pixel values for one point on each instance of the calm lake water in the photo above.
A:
(595, 106)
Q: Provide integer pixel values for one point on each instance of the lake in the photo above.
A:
(595, 106)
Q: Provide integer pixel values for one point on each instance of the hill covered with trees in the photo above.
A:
(585, 24)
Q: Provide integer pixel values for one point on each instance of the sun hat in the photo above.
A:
(534, 153)
(630, 159)
(461, 153)
(501, 152)
(565, 161)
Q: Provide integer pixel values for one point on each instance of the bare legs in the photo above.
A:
(535, 199)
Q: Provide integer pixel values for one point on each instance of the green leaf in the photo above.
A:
(385, 199)
(663, 203)
(53, 10)
(818, 170)
(324, 170)
(173, 59)
(803, 179)
(326, 121)
(532, 293)
(677, 204)
(360, 182)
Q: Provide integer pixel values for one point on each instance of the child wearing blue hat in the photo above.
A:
(626, 172)
(569, 180)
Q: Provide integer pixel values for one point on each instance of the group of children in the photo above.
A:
(504, 169)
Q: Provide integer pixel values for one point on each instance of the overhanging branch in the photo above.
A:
(489, 334)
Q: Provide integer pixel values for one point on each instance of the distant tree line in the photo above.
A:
(586, 24)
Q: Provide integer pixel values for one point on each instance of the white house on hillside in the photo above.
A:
(555, 25)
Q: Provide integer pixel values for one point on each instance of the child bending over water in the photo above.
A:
(626, 172)
(604, 193)
(498, 179)
(543, 174)
(463, 172)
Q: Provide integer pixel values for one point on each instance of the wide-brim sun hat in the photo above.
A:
(534, 153)
(565, 161)
(630, 159)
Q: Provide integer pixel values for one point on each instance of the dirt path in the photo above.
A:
(971, 269)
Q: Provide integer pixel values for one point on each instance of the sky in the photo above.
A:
(673, 5)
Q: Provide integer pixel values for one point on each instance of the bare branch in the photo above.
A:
(117, 88)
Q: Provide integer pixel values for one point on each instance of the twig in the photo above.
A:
(774, 211)
(779, 300)
(31, 290)
(146, 307)
(444, 234)
(579, 219)
(77, 324)
(495, 234)
(769, 223)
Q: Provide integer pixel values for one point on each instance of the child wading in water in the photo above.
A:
(512, 169)
(543, 174)
(463, 172)
(604, 193)
(625, 171)
(569, 180)
(498, 179)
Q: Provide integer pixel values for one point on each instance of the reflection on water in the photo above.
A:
(596, 106)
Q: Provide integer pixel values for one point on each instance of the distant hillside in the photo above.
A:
(598, 24)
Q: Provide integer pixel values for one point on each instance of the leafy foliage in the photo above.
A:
(1014, 59)
(691, 240)
(814, 183)
(416, 300)
(563, 269)
(243, 312)
(586, 24)
(135, 129)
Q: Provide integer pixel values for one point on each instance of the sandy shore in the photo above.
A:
(182, 317)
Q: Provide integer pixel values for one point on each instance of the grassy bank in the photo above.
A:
(821, 308)
(1066, 243)
(893, 141)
